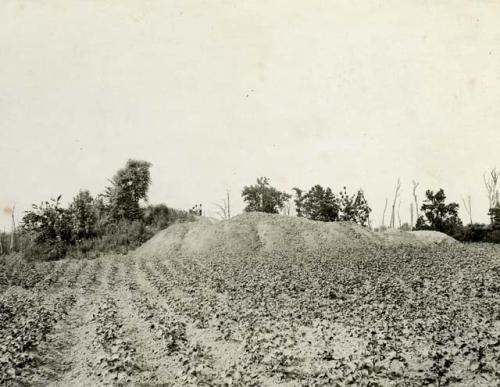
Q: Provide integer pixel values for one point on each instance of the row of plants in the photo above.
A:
(408, 316)
(26, 320)
(118, 361)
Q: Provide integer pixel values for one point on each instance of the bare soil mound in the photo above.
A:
(257, 232)
(415, 237)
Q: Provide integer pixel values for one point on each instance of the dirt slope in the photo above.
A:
(257, 232)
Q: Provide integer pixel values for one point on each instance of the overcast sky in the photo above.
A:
(217, 93)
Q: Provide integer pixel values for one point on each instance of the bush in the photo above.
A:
(474, 233)
(160, 216)
(493, 236)
(49, 250)
(47, 229)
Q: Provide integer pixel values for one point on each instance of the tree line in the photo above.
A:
(121, 218)
(318, 203)
(322, 204)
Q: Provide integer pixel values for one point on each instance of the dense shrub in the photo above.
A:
(478, 232)
(323, 205)
(160, 216)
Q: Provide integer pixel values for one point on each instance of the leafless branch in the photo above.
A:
(383, 214)
(491, 184)
(399, 215)
(468, 207)
(396, 195)
(13, 233)
(415, 186)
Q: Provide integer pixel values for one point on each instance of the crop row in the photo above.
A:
(25, 322)
(117, 363)
(419, 315)
(193, 360)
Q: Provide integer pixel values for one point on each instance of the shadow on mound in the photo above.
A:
(253, 233)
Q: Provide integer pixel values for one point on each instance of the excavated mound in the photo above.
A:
(252, 233)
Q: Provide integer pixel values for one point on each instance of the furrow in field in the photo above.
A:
(73, 341)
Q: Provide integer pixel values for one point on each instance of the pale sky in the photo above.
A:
(217, 93)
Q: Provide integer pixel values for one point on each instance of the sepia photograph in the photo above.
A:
(249, 193)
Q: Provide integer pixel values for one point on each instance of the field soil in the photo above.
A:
(256, 301)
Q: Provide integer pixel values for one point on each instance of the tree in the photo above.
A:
(411, 216)
(13, 231)
(224, 208)
(83, 216)
(415, 186)
(317, 204)
(392, 222)
(383, 214)
(494, 214)
(287, 207)
(491, 184)
(354, 207)
(101, 209)
(298, 201)
(322, 204)
(438, 215)
(261, 197)
(399, 214)
(468, 207)
(129, 186)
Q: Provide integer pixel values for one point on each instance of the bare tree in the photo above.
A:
(383, 214)
(411, 215)
(396, 195)
(491, 183)
(224, 209)
(468, 207)
(415, 186)
(399, 215)
(13, 233)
